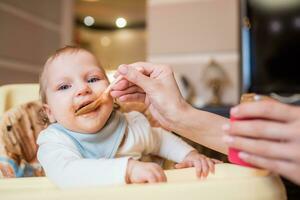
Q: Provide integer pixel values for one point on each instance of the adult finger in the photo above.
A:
(153, 70)
(129, 90)
(144, 67)
(134, 76)
(137, 65)
(267, 110)
(259, 129)
(136, 97)
(266, 148)
(287, 169)
(122, 84)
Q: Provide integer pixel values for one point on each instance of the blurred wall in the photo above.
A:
(115, 47)
(189, 34)
(30, 31)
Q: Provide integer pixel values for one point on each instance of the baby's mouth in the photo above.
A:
(82, 105)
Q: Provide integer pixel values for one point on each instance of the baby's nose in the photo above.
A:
(84, 90)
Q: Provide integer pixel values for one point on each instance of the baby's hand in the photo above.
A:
(203, 164)
(144, 172)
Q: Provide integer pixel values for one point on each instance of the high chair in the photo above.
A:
(17, 94)
(21, 124)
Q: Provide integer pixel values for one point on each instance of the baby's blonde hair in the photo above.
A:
(58, 53)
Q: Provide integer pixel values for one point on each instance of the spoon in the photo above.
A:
(101, 99)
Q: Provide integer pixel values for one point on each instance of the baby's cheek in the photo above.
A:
(63, 107)
(98, 89)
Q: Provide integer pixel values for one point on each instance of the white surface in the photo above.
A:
(230, 182)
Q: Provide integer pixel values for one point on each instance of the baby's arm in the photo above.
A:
(169, 146)
(145, 139)
(65, 166)
(175, 149)
(157, 141)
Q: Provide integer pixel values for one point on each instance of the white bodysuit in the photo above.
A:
(65, 165)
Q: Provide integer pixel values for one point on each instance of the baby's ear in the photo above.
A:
(48, 112)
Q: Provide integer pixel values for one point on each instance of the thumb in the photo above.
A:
(135, 76)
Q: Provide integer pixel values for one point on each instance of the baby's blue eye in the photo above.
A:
(64, 87)
(92, 80)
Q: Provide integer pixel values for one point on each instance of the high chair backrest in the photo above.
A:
(19, 127)
(16, 94)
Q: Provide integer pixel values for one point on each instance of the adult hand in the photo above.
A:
(154, 85)
(270, 138)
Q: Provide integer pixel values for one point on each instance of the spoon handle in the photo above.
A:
(108, 89)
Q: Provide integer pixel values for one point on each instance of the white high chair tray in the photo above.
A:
(230, 182)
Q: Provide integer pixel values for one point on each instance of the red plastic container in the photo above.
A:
(233, 153)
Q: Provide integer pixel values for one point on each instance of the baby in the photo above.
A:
(102, 147)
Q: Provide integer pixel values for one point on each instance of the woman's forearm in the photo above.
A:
(201, 127)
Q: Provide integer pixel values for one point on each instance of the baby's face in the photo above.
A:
(74, 80)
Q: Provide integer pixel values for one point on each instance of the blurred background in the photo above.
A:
(218, 49)
(198, 38)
